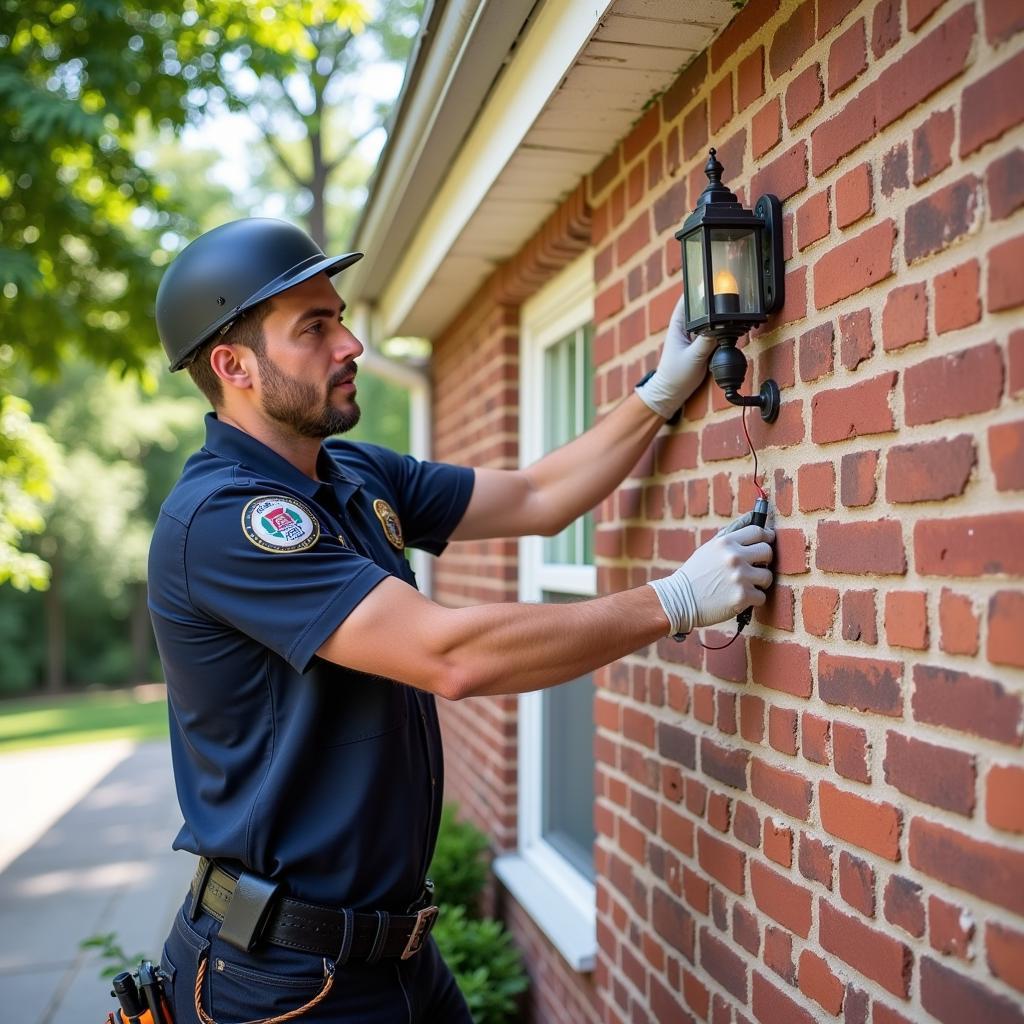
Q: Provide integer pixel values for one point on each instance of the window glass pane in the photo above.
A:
(567, 769)
(568, 405)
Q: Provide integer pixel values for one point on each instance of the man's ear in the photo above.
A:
(232, 363)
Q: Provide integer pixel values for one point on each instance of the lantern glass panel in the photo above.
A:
(693, 260)
(734, 270)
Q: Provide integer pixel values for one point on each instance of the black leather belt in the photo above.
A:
(251, 911)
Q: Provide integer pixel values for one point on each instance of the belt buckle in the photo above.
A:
(424, 922)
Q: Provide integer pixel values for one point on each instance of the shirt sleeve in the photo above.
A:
(431, 498)
(272, 572)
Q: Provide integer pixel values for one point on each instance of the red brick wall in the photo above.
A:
(825, 821)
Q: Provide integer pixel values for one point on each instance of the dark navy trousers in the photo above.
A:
(273, 980)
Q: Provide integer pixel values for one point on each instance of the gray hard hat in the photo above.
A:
(229, 270)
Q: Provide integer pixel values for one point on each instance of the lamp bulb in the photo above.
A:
(725, 283)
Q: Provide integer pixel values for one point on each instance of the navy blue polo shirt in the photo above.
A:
(324, 778)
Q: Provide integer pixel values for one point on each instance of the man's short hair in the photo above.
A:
(246, 330)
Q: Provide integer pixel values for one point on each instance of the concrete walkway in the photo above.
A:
(85, 849)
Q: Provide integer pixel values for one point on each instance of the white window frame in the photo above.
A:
(560, 899)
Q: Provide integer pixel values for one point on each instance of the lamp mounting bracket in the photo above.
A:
(769, 209)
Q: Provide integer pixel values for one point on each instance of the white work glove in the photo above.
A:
(720, 579)
(681, 369)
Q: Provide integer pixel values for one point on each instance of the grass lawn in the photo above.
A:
(136, 714)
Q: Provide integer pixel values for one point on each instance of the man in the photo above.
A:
(302, 664)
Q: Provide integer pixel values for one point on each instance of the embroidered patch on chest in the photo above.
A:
(391, 523)
(276, 523)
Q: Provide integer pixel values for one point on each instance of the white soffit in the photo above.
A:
(577, 82)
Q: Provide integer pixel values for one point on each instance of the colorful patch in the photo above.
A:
(391, 523)
(276, 523)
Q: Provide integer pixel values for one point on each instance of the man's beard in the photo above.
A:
(302, 406)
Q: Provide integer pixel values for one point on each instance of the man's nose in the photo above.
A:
(348, 346)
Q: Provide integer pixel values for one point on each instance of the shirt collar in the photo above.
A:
(236, 445)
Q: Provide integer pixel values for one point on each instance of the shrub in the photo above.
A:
(485, 962)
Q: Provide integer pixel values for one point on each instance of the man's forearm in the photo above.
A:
(509, 649)
(576, 477)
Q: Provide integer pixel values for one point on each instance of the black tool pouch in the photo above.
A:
(248, 910)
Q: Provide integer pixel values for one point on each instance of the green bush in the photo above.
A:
(459, 867)
(485, 962)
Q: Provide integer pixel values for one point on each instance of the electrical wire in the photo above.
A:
(761, 493)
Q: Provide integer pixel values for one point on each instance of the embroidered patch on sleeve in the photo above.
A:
(277, 523)
(390, 522)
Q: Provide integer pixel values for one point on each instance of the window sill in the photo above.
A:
(572, 932)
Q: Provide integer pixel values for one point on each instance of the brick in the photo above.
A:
(1006, 628)
(895, 170)
(665, 1005)
(750, 79)
(952, 998)
(695, 131)
(936, 60)
(919, 11)
(818, 607)
(718, 811)
(778, 611)
(812, 220)
(1004, 951)
(1004, 798)
(950, 929)
(677, 744)
(745, 929)
(930, 470)
(876, 955)
(960, 384)
(847, 130)
(804, 95)
(780, 899)
(967, 703)
(831, 13)
(1004, 181)
(1006, 450)
(672, 921)
(904, 905)
(992, 105)
(817, 352)
(857, 343)
(792, 41)
(884, 1015)
(958, 624)
(906, 619)
(721, 103)
(885, 27)
(850, 750)
(815, 860)
(817, 982)
(644, 132)
(782, 730)
(847, 58)
(854, 265)
(781, 666)
(853, 196)
(746, 825)
(785, 176)
(816, 487)
(861, 409)
(778, 842)
(771, 1006)
(861, 683)
(685, 87)
(778, 953)
(871, 826)
(904, 317)
(786, 791)
(751, 718)
(970, 546)
(723, 965)
(677, 831)
(696, 995)
(934, 223)
(670, 208)
(814, 738)
(721, 860)
(934, 774)
(725, 765)
(634, 238)
(609, 302)
(723, 440)
(861, 548)
(1005, 289)
(857, 473)
(957, 302)
(933, 145)
(744, 25)
(857, 883)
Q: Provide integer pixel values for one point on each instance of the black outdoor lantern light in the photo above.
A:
(735, 257)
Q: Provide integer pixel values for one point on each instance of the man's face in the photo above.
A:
(307, 368)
